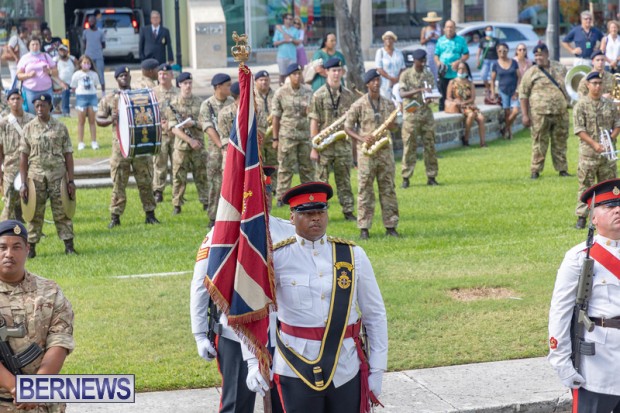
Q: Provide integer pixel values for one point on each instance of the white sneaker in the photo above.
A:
(81, 146)
(94, 145)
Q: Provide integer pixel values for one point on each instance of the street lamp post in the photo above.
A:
(177, 29)
(553, 29)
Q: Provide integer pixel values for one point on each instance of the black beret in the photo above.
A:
(418, 54)
(333, 62)
(183, 77)
(120, 70)
(261, 73)
(149, 64)
(605, 193)
(234, 89)
(541, 48)
(594, 75)
(13, 92)
(311, 196)
(220, 78)
(597, 53)
(13, 228)
(292, 68)
(43, 97)
(370, 75)
(164, 67)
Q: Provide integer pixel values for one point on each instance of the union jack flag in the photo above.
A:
(240, 270)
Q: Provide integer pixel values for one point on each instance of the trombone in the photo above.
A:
(610, 152)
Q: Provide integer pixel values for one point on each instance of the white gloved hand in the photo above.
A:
(255, 380)
(374, 381)
(574, 381)
(205, 349)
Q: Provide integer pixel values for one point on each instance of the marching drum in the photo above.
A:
(139, 123)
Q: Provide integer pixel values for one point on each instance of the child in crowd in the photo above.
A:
(84, 82)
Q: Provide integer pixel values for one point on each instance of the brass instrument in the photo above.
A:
(330, 134)
(269, 131)
(610, 152)
(380, 136)
(572, 79)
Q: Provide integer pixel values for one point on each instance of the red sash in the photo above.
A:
(606, 259)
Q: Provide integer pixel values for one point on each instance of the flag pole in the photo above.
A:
(241, 53)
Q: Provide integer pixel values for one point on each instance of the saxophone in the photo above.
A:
(269, 131)
(330, 134)
(380, 136)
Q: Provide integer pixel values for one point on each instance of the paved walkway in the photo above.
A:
(524, 386)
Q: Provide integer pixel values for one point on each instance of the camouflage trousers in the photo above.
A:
(49, 190)
(543, 128)
(340, 160)
(591, 171)
(291, 154)
(214, 172)
(382, 168)
(184, 162)
(421, 125)
(160, 163)
(270, 157)
(6, 407)
(120, 169)
(12, 203)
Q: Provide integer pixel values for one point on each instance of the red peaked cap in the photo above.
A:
(605, 193)
(310, 196)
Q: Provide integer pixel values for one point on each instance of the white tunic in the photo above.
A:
(304, 275)
(601, 370)
(199, 296)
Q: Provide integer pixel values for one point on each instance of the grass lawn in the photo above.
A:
(487, 225)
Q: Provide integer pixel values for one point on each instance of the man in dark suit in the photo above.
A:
(155, 40)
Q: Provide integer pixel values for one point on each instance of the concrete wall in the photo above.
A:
(502, 11)
(207, 34)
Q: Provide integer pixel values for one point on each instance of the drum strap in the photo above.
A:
(16, 125)
(318, 373)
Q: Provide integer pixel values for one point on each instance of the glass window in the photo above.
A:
(13, 13)
(474, 10)
(508, 34)
(403, 17)
(116, 20)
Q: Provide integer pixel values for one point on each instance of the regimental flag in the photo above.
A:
(240, 270)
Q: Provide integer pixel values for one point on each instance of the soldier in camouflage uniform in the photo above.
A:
(149, 74)
(120, 167)
(413, 82)
(209, 111)
(11, 135)
(598, 65)
(226, 120)
(330, 102)
(165, 92)
(367, 114)
(189, 146)
(291, 131)
(40, 305)
(264, 96)
(592, 115)
(544, 107)
(47, 158)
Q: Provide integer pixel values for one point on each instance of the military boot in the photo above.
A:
(364, 234)
(150, 218)
(405, 183)
(205, 207)
(114, 221)
(391, 232)
(159, 197)
(581, 223)
(176, 210)
(432, 182)
(69, 250)
(33, 252)
(348, 216)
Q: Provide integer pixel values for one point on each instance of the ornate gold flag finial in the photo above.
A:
(241, 50)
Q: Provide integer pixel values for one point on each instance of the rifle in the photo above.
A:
(581, 321)
(214, 326)
(15, 362)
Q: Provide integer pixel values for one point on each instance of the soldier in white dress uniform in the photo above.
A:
(596, 385)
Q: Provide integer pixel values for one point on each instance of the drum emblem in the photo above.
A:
(143, 116)
(145, 135)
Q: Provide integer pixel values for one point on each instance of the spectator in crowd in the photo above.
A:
(390, 63)
(18, 48)
(586, 38)
(610, 45)
(486, 57)
(99, 16)
(462, 93)
(155, 41)
(521, 58)
(94, 43)
(85, 82)
(326, 52)
(286, 39)
(506, 71)
(451, 49)
(302, 59)
(35, 70)
(67, 65)
(50, 44)
(428, 38)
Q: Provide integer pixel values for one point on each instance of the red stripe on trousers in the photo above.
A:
(575, 400)
(276, 379)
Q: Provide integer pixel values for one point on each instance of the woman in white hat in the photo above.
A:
(389, 62)
(428, 38)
